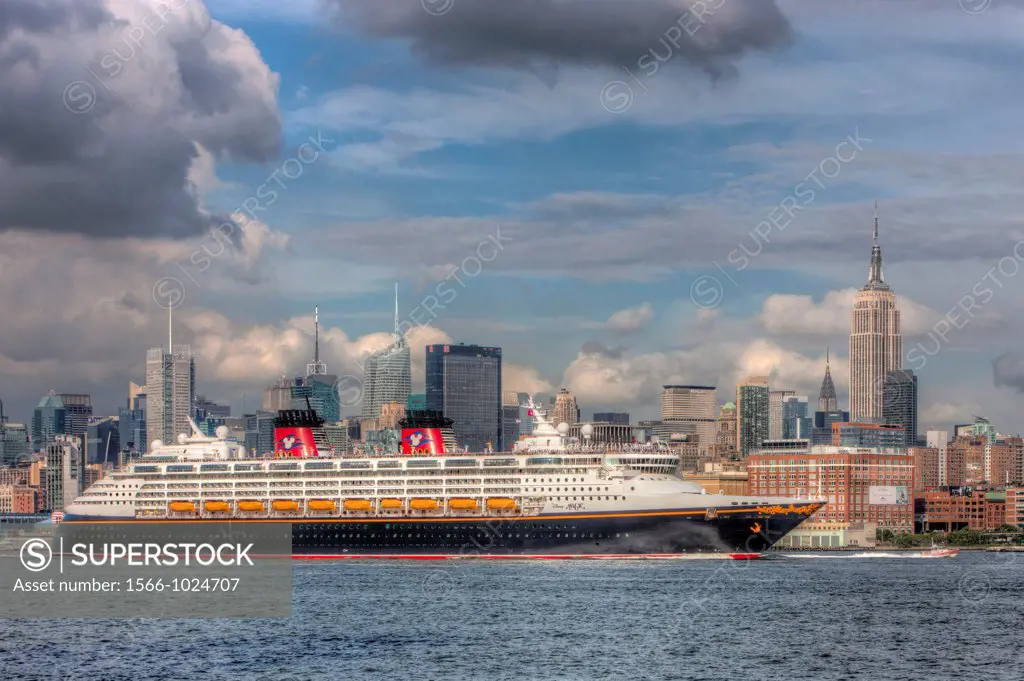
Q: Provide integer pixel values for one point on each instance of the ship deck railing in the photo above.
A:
(525, 506)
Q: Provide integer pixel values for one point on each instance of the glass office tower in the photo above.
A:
(464, 383)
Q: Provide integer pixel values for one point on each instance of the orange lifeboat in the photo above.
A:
(501, 504)
(423, 504)
(322, 505)
(217, 506)
(183, 507)
(462, 504)
(391, 504)
(285, 505)
(357, 505)
(251, 506)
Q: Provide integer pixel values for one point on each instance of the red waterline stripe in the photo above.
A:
(567, 556)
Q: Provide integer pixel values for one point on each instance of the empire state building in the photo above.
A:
(875, 342)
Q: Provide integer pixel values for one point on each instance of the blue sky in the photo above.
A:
(612, 216)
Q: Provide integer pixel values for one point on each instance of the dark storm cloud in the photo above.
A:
(527, 33)
(1008, 371)
(101, 114)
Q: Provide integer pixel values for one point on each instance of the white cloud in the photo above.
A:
(636, 380)
(630, 319)
(945, 413)
(798, 314)
(519, 378)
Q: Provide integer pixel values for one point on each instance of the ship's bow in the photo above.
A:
(757, 528)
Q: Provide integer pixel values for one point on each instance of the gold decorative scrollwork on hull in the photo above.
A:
(806, 509)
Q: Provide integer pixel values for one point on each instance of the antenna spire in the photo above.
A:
(876, 280)
(826, 355)
(399, 337)
(876, 223)
(316, 367)
(170, 330)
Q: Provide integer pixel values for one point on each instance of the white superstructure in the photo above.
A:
(211, 478)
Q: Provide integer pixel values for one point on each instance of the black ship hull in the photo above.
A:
(735, 532)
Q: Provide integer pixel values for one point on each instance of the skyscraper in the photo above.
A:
(566, 410)
(319, 390)
(725, 435)
(691, 409)
(510, 423)
(875, 342)
(135, 390)
(464, 383)
(821, 432)
(796, 423)
(103, 441)
(828, 410)
(751, 414)
(48, 420)
(259, 433)
(170, 389)
(775, 400)
(132, 422)
(278, 396)
(14, 441)
(203, 409)
(78, 410)
(65, 468)
(827, 395)
(899, 402)
(387, 374)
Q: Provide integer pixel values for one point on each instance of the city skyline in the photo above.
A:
(632, 347)
(547, 273)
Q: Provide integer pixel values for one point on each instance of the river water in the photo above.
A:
(820, 617)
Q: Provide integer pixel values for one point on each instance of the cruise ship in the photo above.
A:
(551, 497)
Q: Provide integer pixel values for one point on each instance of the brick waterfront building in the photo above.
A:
(973, 461)
(928, 467)
(960, 508)
(1015, 506)
(844, 476)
